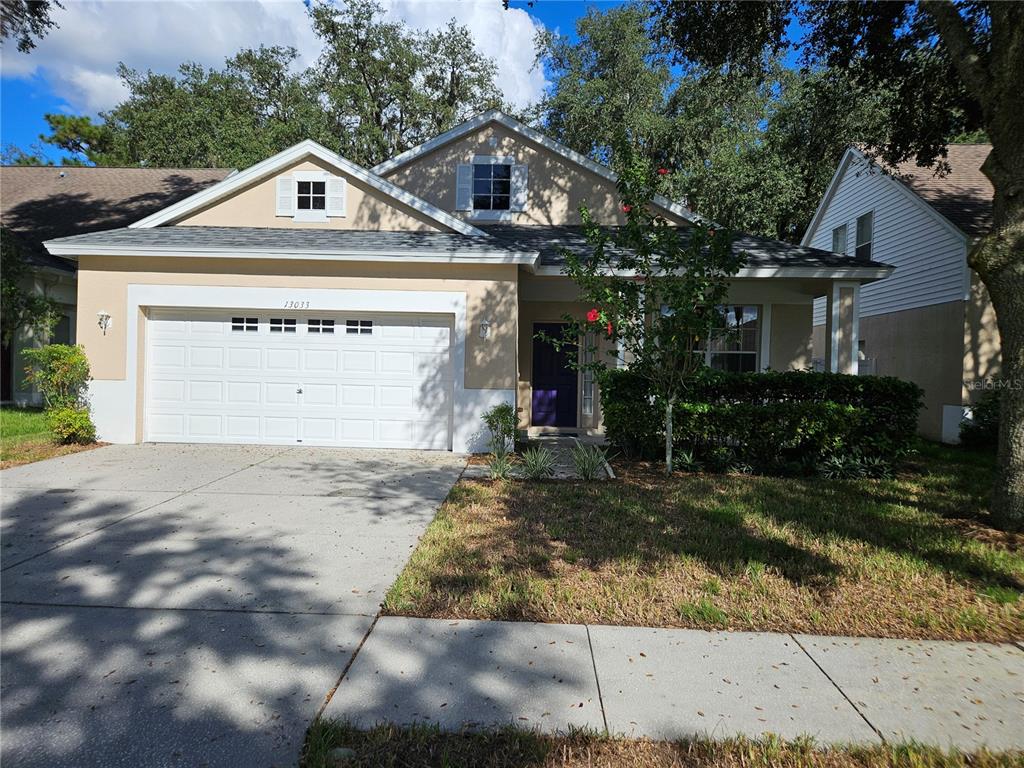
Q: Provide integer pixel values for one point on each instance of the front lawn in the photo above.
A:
(24, 438)
(391, 746)
(908, 557)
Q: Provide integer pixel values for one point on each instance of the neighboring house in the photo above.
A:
(309, 300)
(38, 203)
(932, 322)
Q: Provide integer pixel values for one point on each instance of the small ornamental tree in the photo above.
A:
(654, 288)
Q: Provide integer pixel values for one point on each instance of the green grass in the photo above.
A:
(911, 556)
(422, 746)
(24, 438)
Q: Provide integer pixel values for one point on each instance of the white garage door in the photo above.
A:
(328, 378)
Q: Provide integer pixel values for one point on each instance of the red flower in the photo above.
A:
(593, 315)
(609, 328)
(711, 232)
(663, 171)
(627, 208)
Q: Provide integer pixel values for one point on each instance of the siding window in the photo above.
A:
(319, 326)
(865, 234)
(492, 187)
(732, 344)
(359, 327)
(282, 325)
(311, 196)
(589, 353)
(244, 324)
(839, 239)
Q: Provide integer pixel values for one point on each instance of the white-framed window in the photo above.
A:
(314, 325)
(589, 352)
(311, 196)
(358, 327)
(839, 239)
(491, 187)
(733, 343)
(282, 325)
(865, 234)
(245, 324)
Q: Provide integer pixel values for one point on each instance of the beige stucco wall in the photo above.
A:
(491, 293)
(920, 345)
(556, 186)
(365, 207)
(981, 341)
(790, 337)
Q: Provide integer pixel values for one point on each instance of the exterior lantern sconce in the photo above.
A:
(485, 329)
(103, 321)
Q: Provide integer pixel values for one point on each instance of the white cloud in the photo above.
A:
(78, 60)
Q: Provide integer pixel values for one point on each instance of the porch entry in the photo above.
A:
(554, 380)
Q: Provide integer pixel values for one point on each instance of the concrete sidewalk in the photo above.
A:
(676, 683)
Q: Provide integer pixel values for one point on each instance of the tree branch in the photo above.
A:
(965, 56)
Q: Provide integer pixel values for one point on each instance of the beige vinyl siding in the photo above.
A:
(929, 256)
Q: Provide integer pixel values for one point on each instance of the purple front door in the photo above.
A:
(554, 381)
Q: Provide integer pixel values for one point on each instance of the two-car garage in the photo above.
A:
(298, 377)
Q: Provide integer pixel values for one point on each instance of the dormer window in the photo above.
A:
(310, 196)
(491, 188)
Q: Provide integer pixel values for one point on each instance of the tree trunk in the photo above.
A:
(668, 436)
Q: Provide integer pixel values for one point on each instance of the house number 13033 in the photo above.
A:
(296, 305)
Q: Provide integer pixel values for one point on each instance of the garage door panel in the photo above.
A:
(388, 383)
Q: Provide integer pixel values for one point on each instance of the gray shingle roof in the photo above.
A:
(963, 195)
(265, 239)
(760, 251)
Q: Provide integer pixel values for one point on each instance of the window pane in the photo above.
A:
(864, 251)
(482, 171)
(319, 187)
(319, 203)
(502, 171)
(304, 187)
(482, 202)
(864, 227)
(303, 203)
(839, 239)
(502, 187)
(500, 203)
(734, 363)
(481, 187)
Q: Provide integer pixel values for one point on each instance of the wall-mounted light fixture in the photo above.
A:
(485, 329)
(103, 321)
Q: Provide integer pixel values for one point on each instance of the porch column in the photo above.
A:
(842, 326)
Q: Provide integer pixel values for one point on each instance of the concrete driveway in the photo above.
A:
(188, 605)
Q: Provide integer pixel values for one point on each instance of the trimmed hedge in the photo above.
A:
(774, 421)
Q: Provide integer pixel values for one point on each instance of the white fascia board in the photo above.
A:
(494, 115)
(812, 228)
(287, 157)
(825, 273)
(416, 257)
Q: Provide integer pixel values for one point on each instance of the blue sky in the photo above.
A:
(69, 73)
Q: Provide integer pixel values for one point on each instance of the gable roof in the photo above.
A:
(43, 202)
(961, 200)
(289, 157)
(497, 116)
(963, 195)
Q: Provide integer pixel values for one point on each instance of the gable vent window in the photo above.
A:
(282, 325)
(245, 324)
(312, 196)
(358, 327)
(320, 326)
(865, 234)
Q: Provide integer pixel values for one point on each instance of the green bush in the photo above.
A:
(71, 425)
(779, 423)
(501, 421)
(61, 374)
(981, 431)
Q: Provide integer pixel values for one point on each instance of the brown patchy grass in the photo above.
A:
(24, 438)
(910, 557)
(392, 746)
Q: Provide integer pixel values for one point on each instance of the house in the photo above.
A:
(932, 322)
(309, 300)
(38, 203)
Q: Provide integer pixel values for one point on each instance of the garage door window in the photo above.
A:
(282, 325)
(360, 327)
(245, 324)
(319, 326)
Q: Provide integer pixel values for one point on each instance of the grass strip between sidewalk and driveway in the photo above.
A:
(25, 437)
(389, 746)
(909, 557)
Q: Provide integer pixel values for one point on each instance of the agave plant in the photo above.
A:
(589, 461)
(538, 463)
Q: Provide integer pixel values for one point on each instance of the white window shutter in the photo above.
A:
(336, 189)
(519, 186)
(285, 196)
(464, 188)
